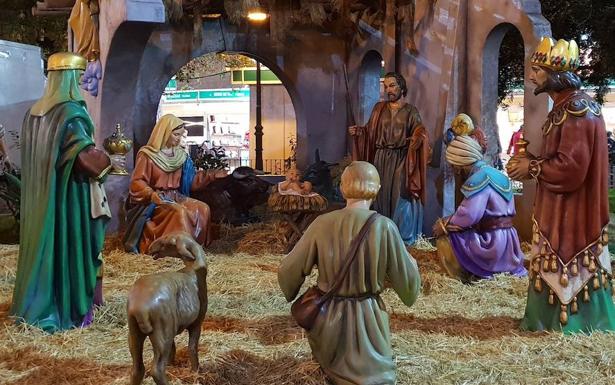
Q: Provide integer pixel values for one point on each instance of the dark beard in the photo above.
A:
(393, 98)
(558, 82)
(540, 89)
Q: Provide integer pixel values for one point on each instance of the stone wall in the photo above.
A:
(456, 41)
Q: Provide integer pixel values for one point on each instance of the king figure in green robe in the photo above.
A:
(63, 206)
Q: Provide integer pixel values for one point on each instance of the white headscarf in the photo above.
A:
(463, 151)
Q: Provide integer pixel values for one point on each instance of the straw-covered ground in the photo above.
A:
(454, 334)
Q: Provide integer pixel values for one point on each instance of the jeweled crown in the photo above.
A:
(560, 56)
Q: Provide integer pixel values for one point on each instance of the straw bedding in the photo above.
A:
(454, 334)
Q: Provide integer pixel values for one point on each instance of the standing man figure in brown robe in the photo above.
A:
(396, 142)
(351, 338)
(571, 268)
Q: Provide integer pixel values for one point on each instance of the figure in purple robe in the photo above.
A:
(479, 240)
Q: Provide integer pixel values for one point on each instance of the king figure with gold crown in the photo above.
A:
(63, 205)
(570, 276)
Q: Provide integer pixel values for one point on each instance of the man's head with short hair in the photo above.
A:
(360, 180)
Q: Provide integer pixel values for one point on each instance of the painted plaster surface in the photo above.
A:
(447, 77)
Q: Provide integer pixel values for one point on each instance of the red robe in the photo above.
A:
(572, 206)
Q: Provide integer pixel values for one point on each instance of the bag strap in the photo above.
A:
(350, 257)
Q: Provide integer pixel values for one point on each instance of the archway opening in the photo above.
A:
(216, 94)
(370, 86)
(502, 120)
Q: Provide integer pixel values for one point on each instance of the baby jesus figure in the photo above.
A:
(293, 186)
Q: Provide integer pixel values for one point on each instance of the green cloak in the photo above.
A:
(60, 243)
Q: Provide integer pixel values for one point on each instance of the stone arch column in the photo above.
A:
(487, 24)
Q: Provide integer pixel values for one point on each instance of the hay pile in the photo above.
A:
(454, 334)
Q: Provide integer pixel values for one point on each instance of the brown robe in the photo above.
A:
(351, 339)
(398, 146)
(186, 214)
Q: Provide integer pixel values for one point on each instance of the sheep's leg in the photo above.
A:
(194, 334)
(162, 349)
(135, 345)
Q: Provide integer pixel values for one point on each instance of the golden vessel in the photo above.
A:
(117, 146)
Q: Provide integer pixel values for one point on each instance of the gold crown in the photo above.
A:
(66, 61)
(560, 56)
(462, 125)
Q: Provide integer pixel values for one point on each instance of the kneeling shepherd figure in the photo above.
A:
(350, 337)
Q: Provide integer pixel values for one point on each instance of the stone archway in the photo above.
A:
(140, 58)
(490, 64)
(277, 110)
(369, 84)
(164, 52)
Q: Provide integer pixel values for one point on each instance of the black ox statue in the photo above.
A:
(319, 174)
(231, 198)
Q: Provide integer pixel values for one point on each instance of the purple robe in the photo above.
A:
(491, 252)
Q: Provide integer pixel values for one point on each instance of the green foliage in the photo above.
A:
(590, 23)
(210, 158)
(212, 64)
(19, 25)
(612, 200)
(511, 65)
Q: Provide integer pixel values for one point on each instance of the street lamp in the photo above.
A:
(257, 14)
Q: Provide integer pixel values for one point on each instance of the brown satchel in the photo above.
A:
(306, 308)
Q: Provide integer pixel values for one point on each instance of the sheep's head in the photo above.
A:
(178, 245)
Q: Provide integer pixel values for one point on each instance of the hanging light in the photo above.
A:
(257, 14)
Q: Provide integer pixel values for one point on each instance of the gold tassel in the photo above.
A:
(551, 297)
(603, 276)
(612, 285)
(596, 282)
(538, 284)
(586, 259)
(545, 263)
(605, 238)
(563, 280)
(537, 265)
(553, 264)
(563, 315)
(575, 307)
(543, 249)
(574, 269)
(592, 264)
(586, 294)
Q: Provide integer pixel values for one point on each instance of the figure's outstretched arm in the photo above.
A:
(140, 188)
(298, 263)
(469, 212)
